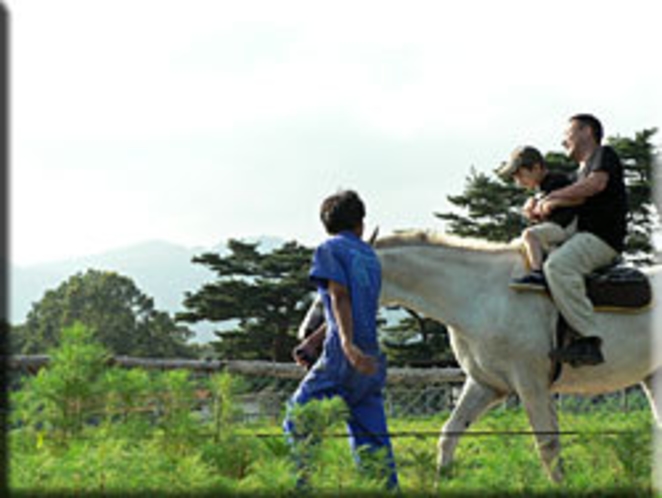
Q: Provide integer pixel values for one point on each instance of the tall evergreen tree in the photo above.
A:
(267, 294)
(638, 156)
(493, 209)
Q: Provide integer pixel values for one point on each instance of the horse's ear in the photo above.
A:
(373, 237)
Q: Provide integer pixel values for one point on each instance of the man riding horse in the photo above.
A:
(600, 198)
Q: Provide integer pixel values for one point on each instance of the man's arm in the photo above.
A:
(341, 305)
(579, 191)
(575, 194)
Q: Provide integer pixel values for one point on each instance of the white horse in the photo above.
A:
(502, 338)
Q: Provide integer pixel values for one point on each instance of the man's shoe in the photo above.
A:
(534, 281)
(584, 351)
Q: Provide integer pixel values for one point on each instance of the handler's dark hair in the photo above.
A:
(593, 123)
(342, 211)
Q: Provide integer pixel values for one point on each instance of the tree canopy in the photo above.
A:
(123, 319)
(266, 294)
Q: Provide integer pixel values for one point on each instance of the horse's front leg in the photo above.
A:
(474, 400)
(541, 410)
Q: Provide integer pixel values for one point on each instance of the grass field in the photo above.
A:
(79, 427)
(138, 457)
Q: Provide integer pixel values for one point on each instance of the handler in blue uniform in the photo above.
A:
(348, 276)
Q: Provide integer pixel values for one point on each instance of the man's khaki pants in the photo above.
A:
(565, 270)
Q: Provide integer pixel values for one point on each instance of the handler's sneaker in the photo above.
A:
(584, 351)
(534, 281)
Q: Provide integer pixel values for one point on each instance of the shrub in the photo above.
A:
(64, 395)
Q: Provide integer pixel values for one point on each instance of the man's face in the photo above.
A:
(576, 138)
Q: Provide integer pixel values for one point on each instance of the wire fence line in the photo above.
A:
(403, 401)
(410, 392)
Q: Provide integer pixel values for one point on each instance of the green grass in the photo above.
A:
(144, 458)
(81, 428)
(594, 463)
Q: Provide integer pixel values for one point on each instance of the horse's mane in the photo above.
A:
(431, 238)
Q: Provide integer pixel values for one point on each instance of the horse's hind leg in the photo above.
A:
(653, 388)
(474, 400)
(541, 411)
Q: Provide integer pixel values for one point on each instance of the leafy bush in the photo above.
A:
(61, 398)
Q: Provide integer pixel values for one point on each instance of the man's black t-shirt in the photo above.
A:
(604, 214)
(553, 181)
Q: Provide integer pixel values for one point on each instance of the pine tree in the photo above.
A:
(267, 294)
(493, 209)
(637, 155)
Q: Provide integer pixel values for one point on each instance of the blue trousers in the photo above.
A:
(362, 394)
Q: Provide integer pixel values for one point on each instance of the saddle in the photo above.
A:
(614, 288)
(619, 288)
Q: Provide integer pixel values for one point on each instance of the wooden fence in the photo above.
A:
(399, 376)
(409, 391)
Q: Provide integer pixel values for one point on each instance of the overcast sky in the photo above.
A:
(196, 121)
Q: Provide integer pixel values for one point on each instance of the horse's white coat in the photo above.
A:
(502, 338)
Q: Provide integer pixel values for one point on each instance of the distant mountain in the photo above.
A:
(161, 270)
